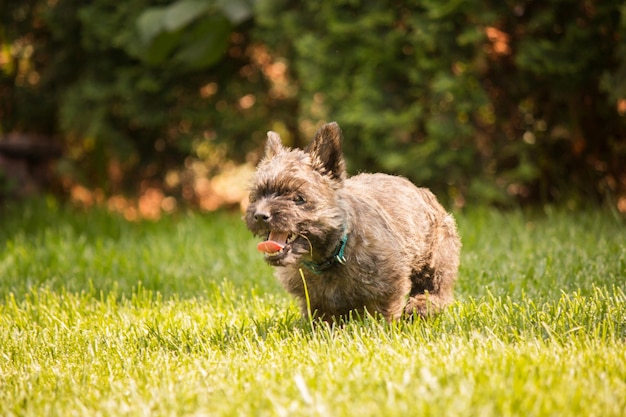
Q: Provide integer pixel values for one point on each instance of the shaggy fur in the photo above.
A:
(370, 243)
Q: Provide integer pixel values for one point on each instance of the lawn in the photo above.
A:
(181, 317)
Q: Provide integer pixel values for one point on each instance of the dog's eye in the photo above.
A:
(299, 200)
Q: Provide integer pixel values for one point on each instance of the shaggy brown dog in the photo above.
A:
(370, 243)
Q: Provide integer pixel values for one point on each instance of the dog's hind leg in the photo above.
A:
(427, 304)
(433, 285)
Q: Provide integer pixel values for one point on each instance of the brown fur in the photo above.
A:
(402, 248)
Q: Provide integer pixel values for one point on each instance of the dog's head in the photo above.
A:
(293, 204)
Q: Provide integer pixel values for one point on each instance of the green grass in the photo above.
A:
(181, 317)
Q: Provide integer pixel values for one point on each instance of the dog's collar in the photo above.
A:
(338, 257)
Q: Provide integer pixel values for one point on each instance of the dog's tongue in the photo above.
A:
(275, 242)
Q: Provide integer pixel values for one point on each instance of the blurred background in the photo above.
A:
(148, 106)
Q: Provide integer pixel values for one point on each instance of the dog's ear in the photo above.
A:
(273, 145)
(326, 151)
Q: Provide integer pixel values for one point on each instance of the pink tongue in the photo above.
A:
(274, 243)
(269, 246)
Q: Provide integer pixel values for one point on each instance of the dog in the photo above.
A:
(366, 244)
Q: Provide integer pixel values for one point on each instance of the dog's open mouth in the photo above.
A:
(276, 245)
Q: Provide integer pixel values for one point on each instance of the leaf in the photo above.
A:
(161, 47)
(150, 23)
(206, 44)
(236, 11)
(183, 12)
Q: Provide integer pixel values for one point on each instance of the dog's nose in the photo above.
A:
(262, 216)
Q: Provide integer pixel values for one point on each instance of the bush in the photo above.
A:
(130, 111)
(495, 102)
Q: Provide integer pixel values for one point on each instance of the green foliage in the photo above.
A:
(99, 316)
(126, 87)
(198, 30)
(488, 101)
(496, 102)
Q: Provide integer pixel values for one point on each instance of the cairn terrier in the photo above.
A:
(371, 243)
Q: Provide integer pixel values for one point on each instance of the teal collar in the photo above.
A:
(338, 257)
